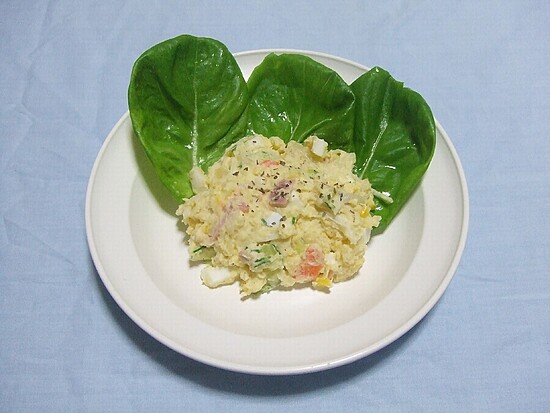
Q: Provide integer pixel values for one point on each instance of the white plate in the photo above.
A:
(138, 247)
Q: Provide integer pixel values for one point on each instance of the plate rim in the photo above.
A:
(263, 370)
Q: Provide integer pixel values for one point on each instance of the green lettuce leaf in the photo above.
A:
(394, 139)
(187, 99)
(292, 96)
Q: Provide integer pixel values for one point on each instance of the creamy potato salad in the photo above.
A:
(270, 215)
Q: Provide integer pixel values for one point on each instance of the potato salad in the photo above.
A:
(273, 215)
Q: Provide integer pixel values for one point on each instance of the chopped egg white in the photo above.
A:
(319, 146)
(270, 215)
(214, 277)
(273, 219)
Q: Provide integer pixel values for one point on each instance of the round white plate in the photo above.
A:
(139, 250)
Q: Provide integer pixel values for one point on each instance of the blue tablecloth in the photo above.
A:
(484, 68)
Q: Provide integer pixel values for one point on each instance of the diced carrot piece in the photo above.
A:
(311, 265)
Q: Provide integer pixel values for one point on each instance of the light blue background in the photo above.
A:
(483, 67)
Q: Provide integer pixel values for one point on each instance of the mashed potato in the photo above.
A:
(270, 216)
